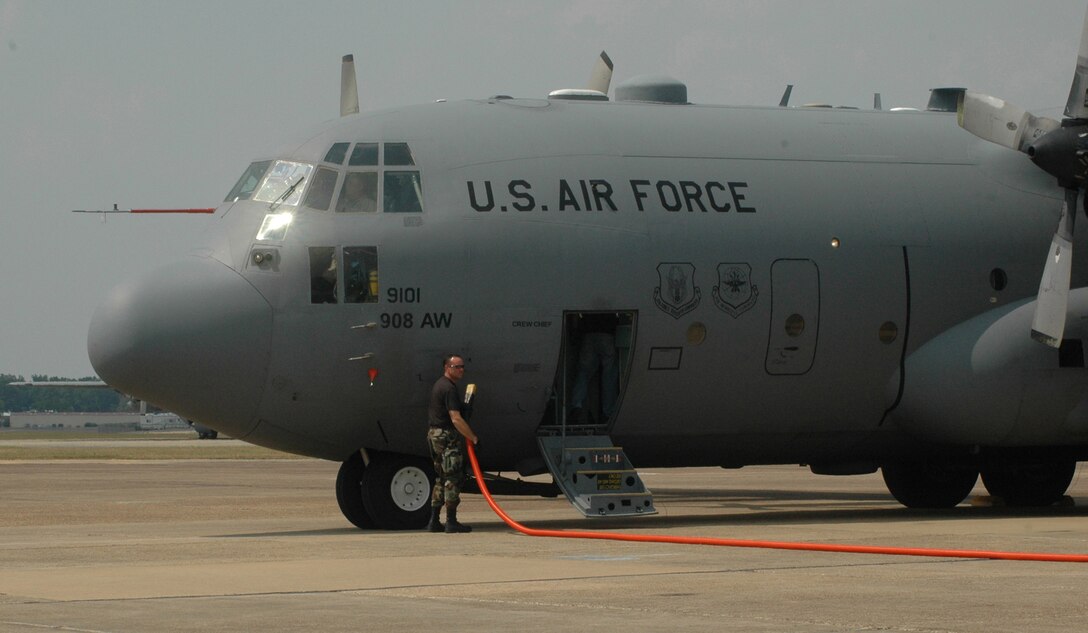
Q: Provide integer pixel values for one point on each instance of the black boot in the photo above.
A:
(452, 526)
(435, 525)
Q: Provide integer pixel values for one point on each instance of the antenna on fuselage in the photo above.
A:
(349, 91)
(785, 101)
(601, 77)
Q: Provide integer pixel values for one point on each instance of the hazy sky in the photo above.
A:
(163, 104)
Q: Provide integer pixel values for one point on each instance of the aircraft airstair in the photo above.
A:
(596, 476)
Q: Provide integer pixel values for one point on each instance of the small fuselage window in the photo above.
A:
(274, 226)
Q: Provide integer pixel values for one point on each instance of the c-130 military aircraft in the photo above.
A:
(700, 285)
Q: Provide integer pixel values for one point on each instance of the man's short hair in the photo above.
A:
(447, 358)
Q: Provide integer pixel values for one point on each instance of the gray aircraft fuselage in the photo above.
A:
(806, 285)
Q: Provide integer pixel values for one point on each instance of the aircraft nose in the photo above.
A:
(192, 337)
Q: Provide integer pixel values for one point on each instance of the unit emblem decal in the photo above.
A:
(676, 294)
(735, 292)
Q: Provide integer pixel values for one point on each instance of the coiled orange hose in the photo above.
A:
(726, 542)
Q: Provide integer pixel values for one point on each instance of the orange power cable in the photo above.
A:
(727, 542)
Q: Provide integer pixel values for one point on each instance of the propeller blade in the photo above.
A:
(1048, 325)
(998, 121)
(1077, 105)
(601, 77)
(785, 100)
(349, 92)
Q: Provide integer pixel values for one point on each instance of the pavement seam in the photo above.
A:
(495, 583)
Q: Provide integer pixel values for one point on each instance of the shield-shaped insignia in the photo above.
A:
(735, 292)
(676, 293)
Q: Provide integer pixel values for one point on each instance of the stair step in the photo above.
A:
(596, 476)
(616, 504)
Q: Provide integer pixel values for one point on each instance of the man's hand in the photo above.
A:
(462, 427)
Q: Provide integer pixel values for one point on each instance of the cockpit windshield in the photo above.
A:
(245, 186)
(285, 183)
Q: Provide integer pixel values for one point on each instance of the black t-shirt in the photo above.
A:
(444, 398)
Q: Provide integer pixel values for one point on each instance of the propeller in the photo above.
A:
(1059, 148)
(349, 92)
(601, 77)
(785, 100)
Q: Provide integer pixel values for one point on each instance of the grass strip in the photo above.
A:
(31, 453)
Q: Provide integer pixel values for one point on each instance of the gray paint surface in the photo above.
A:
(163, 104)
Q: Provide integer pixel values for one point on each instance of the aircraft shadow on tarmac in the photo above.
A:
(754, 507)
(751, 508)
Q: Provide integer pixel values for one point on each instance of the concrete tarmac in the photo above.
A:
(220, 545)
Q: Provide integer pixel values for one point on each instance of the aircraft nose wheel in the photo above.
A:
(410, 489)
(349, 493)
(397, 491)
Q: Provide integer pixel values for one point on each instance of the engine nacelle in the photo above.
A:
(986, 382)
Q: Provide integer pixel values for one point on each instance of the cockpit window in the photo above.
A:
(364, 155)
(359, 193)
(323, 274)
(360, 274)
(245, 186)
(381, 177)
(319, 194)
(398, 154)
(402, 192)
(337, 153)
(275, 225)
(284, 184)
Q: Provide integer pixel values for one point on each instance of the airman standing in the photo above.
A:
(446, 436)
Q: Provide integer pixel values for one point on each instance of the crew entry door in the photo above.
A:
(594, 364)
(795, 317)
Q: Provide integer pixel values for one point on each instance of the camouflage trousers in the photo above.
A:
(448, 453)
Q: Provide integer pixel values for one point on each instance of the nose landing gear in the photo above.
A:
(392, 492)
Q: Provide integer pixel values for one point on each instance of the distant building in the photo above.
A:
(103, 421)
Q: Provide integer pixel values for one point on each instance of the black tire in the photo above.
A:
(1028, 482)
(349, 492)
(930, 484)
(397, 491)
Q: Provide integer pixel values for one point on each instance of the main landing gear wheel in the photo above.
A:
(397, 491)
(349, 492)
(1028, 482)
(930, 484)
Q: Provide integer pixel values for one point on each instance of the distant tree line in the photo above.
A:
(65, 399)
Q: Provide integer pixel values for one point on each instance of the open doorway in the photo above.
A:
(594, 365)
